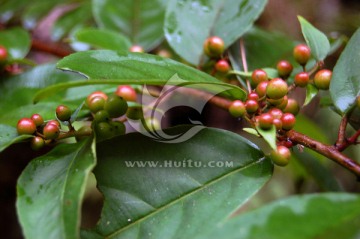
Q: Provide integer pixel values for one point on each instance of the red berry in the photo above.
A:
(288, 121)
(322, 79)
(26, 126)
(265, 121)
(302, 54)
(95, 94)
(51, 131)
(222, 66)
(96, 104)
(292, 107)
(276, 113)
(38, 119)
(277, 123)
(251, 106)
(237, 108)
(280, 156)
(136, 48)
(55, 122)
(63, 113)
(301, 79)
(284, 68)
(214, 46)
(258, 76)
(253, 96)
(261, 88)
(37, 143)
(277, 88)
(126, 92)
(3, 54)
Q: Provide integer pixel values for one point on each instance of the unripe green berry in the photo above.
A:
(283, 103)
(302, 54)
(104, 131)
(26, 126)
(258, 76)
(261, 88)
(322, 79)
(38, 119)
(284, 68)
(96, 104)
(116, 106)
(251, 106)
(3, 54)
(292, 107)
(136, 48)
(101, 116)
(265, 121)
(237, 108)
(134, 113)
(37, 143)
(276, 88)
(281, 156)
(214, 46)
(301, 79)
(82, 133)
(126, 92)
(63, 113)
(222, 66)
(119, 127)
(51, 131)
(288, 121)
(95, 94)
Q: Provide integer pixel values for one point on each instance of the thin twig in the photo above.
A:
(244, 62)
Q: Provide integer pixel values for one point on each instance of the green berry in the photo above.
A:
(134, 113)
(251, 106)
(38, 119)
(302, 54)
(222, 66)
(284, 103)
(284, 68)
(83, 132)
(63, 113)
(119, 127)
(95, 94)
(104, 130)
(292, 107)
(237, 108)
(258, 76)
(101, 116)
(116, 106)
(3, 54)
(288, 121)
(51, 131)
(301, 79)
(37, 143)
(26, 126)
(276, 88)
(214, 46)
(265, 121)
(96, 104)
(126, 92)
(281, 156)
(322, 79)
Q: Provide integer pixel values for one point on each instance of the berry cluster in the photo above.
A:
(214, 48)
(268, 105)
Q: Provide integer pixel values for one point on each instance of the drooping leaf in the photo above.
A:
(315, 39)
(102, 38)
(327, 215)
(161, 200)
(135, 68)
(50, 191)
(9, 136)
(345, 81)
(311, 92)
(140, 20)
(16, 41)
(189, 23)
(268, 135)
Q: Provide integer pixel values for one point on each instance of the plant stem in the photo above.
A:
(244, 61)
(341, 134)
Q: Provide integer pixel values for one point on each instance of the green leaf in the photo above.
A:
(189, 23)
(327, 215)
(135, 68)
(17, 42)
(102, 38)
(311, 92)
(251, 131)
(140, 20)
(10, 136)
(315, 39)
(51, 188)
(268, 135)
(179, 201)
(345, 81)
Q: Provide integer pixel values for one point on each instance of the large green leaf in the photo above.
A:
(329, 215)
(316, 40)
(345, 82)
(160, 201)
(136, 68)
(102, 38)
(9, 136)
(50, 191)
(17, 42)
(188, 23)
(140, 20)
